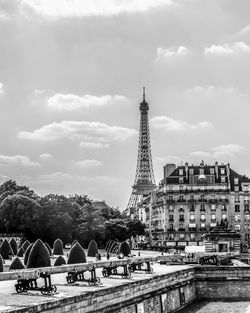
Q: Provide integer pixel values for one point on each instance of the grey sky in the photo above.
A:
(71, 77)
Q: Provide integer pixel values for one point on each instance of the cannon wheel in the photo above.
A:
(20, 288)
(92, 282)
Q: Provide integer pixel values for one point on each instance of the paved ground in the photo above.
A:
(217, 307)
(10, 300)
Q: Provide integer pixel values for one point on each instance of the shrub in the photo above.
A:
(113, 248)
(125, 248)
(16, 264)
(48, 247)
(27, 253)
(59, 261)
(25, 245)
(75, 241)
(20, 252)
(1, 264)
(109, 244)
(93, 248)
(13, 245)
(39, 255)
(6, 250)
(58, 247)
(76, 254)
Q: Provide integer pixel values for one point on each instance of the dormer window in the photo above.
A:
(236, 181)
(211, 171)
(201, 171)
(222, 171)
(191, 171)
(180, 171)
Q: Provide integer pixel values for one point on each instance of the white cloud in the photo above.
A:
(227, 49)
(222, 152)
(22, 160)
(85, 131)
(70, 102)
(200, 154)
(232, 148)
(88, 163)
(63, 8)
(93, 145)
(45, 156)
(170, 124)
(172, 51)
(1, 88)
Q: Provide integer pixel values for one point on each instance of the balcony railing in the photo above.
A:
(181, 200)
(170, 201)
(181, 229)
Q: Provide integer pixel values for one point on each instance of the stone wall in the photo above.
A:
(223, 283)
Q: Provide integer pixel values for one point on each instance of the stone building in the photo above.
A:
(193, 199)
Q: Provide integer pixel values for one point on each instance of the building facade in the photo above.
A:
(193, 199)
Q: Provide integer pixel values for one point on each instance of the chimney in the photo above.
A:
(186, 170)
(216, 170)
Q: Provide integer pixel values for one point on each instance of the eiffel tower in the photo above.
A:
(144, 182)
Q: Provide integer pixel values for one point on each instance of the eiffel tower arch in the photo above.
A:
(144, 182)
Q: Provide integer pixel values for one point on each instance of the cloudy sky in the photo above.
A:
(71, 77)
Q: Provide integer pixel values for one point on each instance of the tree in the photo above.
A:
(16, 264)
(19, 213)
(55, 218)
(59, 261)
(76, 254)
(116, 229)
(6, 250)
(92, 248)
(135, 228)
(91, 226)
(10, 188)
(13, 245)
(39, 256)
(58, 247)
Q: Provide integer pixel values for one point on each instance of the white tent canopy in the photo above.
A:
(195, 249)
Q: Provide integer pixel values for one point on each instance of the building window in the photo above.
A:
(202, 217)
(223, 179)
(181, 217)
(171, 208)
(237, 208)
(213, 217)
(191, 207)
(237, 226)
(181, 225)
(170, 198)
(192, 236)
(236, 181)
(202, 207)
(247, 237)
(182, 236)
(181, 198)
(236, 199)
(224, 216)
(201, 171)
(171, 237)
(237, 218)
(211, 171)
(191, 217)
(203, 225)
(181, 180)
(181, 209)
(191, 179)
(191, 171)
(246, 208)
(236, 188)
(213, 207)
(180, 171)
(171, 218)
(222, 171)
(171, 226)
